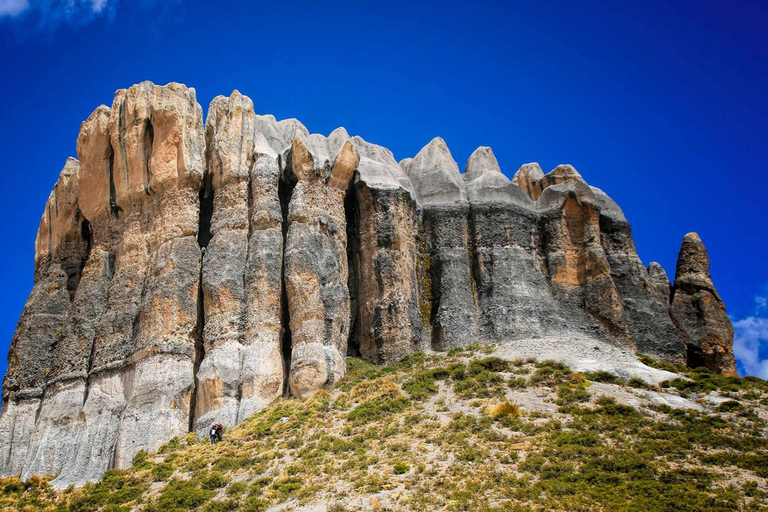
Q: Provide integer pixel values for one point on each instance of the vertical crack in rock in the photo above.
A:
(284, 192)
(197, 335)
(352, 214)
(74, 266)
(206, 212)
(474, 267)
(427, 302)
(114, 208)
(148, 140)
(204, 236)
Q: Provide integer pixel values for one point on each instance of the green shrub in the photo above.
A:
(638, 383)
(400, 468)
(255, 504)
(214, 481)
(517, 382)
(285, 486)
(221, 506)
(550, 373)
(140, 460)
(604, 377)
(163, 471)
(567, 395)
(236, 489)
(377, 409)
(730, 406)
(181, 495)
(493, 364)
(423, 385)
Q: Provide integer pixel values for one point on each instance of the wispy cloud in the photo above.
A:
(50, 14)
(13, 7)
(750, 340)
(29, 18)
(750, 335)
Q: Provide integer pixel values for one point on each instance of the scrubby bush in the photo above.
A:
(181, 495)
(400, 468)
(604, 377)
(503, 409)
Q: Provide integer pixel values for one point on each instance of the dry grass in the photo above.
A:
(425, 435)
(504, 409)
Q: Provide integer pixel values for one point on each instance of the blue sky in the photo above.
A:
(660, 104)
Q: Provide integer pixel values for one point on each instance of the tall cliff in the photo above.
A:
(187, 272)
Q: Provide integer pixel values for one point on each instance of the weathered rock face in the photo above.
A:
(699, 312)
(383, 257)
(316, 267)
(646, 303)
(241, 368)
(442, 193)
(190, 273)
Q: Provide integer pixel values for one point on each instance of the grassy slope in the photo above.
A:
(440, 433)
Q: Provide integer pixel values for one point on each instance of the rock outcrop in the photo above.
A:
(190, 272)
(699, 312)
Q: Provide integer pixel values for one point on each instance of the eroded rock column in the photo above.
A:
(699, 312)
(242, 369)
(578, 268)
(449, 282)
(646, 312)
(389, 324)
(61, 250)
(316, 270)
(513, 293)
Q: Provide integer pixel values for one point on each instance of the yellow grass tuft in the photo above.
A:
(504, 409)
(371, 389)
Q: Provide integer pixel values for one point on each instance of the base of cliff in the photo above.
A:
(533, 425)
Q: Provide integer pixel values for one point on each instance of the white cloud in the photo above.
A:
(13, 7)
(749, 334)
(98, 5)
(47, 14)
(761, 304)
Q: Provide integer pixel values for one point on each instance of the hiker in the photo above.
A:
(213, 434)
(219, 430)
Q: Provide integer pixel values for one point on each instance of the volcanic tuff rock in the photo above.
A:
(187, 273)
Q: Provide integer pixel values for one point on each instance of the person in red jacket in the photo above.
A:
(219, 430)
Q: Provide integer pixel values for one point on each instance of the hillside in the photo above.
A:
(470, 430)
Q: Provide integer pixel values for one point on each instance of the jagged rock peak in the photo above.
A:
(529, 177)
(693, 262)
(560, 174)
(481, 161)
(608, 207)
(699, 312)
(378, 167)
(435, 175)
(658, 274)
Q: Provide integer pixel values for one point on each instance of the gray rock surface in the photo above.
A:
(646, 310)
(446, 274)
(512, 285)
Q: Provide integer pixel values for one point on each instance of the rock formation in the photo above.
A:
(699, 312)
(191, 272)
